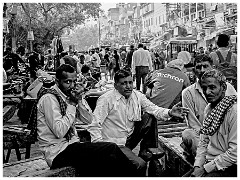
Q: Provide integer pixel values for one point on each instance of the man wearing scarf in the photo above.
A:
(52, 122)
(217, 148)
(118, 118)
(194, 99)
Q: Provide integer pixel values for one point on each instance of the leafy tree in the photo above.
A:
(47, 20)
(83, 37)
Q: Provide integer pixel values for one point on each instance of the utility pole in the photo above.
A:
(5, 25)
(30, 32)
(13, 30)
(99, 32)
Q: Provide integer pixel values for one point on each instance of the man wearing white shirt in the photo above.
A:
(194, 99)
(57, 136)
(141, 66)
(117, 118)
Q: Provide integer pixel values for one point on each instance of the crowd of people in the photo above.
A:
(125, 115)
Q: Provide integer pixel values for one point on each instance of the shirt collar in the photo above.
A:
(60, 92)
(198, 87)
(119, 96)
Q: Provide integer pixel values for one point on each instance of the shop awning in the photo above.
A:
(183, 40)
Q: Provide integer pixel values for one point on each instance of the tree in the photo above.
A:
(83, 37)
(50, 19)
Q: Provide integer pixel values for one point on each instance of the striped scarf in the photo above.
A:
(215, 118)
(32, 124)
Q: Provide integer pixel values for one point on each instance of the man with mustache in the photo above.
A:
(53, 124)
(194, 99)
(217, 149)
(117, 118)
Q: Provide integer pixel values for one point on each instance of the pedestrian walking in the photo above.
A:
(141, 65)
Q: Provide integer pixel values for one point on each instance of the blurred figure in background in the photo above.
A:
(36, 60)
(141, 66)
(223, 50)
(129, 56)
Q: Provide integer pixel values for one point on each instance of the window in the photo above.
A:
(151, 21)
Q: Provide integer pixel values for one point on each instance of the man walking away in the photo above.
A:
(141, 65)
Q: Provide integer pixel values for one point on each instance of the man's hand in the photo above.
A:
(178, 111)
(134, 77)
(76, 94)
(199, 171)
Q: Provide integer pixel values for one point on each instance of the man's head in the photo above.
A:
(37, 48)
(66, 78)
(82, 58)
(176, 63)
(214, 86)
(70, 60)
(223, 40)
(185, 56)
(140, 45)
(131, 47)
(20, 50)
(85, 70)
(202, 63)
(123, 82)
(201, 50)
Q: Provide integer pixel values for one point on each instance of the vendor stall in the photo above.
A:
(181, 44)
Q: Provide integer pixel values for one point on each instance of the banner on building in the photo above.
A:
(233, 39)
(30, 36)
(219, 19)
(176, 31)
(5, 25)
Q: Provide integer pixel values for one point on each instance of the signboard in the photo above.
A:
(233, 39)
(30, 36)
(175, 31)
(219, 19)
(5, 25)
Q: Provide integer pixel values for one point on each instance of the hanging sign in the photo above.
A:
(30, 36)
(5, 25)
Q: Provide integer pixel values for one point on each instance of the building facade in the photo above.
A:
(157, 23)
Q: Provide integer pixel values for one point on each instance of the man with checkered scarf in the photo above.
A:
(217, 148)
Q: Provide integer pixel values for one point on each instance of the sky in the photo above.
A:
(105, 6)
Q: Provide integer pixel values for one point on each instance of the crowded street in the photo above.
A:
(119, 89)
